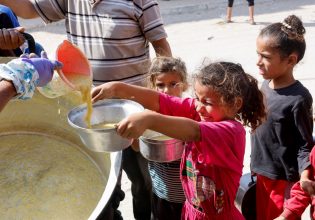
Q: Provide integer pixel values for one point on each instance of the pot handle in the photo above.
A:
(31, 42)
(252, 182)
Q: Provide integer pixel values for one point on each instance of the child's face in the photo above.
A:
(270, 63)
(209, 104)
(169, 83)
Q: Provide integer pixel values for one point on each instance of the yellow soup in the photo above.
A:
(105, 125)
(83, 83)
(161, 138)
(42, 177)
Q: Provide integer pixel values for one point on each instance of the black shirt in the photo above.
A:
(281, 145)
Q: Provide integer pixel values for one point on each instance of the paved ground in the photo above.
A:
(196, 31)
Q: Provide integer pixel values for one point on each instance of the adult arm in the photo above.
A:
(152, 26)
(22, 8)
(25, 74)
(7, 92)
(162, 48)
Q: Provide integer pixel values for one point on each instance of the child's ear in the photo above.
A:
(238, 103)
(293, 59)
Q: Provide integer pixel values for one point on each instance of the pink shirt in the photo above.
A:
(211, 168)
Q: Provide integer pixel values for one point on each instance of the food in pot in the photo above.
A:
(44, 177)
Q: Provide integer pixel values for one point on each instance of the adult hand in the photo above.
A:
(44, 67)
(11, 38)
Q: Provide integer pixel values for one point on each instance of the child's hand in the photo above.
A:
(308, 186)
(134, 125)
(306, 183)
(135, 145)
(103, 91)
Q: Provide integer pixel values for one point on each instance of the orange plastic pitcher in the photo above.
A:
(75, 64)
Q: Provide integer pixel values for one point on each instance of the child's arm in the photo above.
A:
(134, 125)
(176, 127)
(296, 205)
(147, 97)
(303, 121)
(306, 183)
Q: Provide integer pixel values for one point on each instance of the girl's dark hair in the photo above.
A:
(230, 81)
(287, 36)
(167, 64)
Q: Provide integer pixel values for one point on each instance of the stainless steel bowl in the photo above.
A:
(109, 111)
(157, 147)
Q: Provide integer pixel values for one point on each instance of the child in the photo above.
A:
(299, 200)
(212, 162)
(167, 75)
(281, 146)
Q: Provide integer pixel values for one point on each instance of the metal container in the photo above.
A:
(109, 111)
(158, 149)
(48, 117)
(246, 196)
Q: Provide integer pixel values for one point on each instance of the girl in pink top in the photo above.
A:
(212, 123)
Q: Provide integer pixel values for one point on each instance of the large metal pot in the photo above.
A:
(48, 117)
(246, 196)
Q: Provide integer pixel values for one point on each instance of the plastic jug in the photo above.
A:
(76, 71)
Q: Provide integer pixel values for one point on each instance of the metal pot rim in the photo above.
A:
(152, 141)
(83, 107)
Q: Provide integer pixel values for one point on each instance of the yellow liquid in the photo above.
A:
(86, 97)
(161, 138)
(105, 125)
(83, 84)
(42, 177)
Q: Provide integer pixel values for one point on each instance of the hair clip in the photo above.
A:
(286, 25)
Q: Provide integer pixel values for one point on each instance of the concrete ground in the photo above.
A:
(195, 31)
